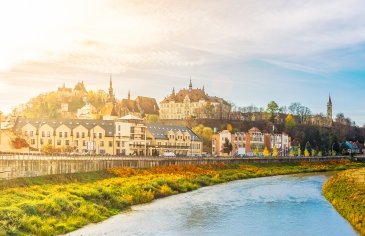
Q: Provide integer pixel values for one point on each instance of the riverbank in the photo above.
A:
(52, 205)
(346, 192)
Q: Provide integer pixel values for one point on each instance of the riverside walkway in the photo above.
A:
(23, 165)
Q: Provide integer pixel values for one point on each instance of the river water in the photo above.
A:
(281, 205)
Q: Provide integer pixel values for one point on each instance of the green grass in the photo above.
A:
(346, 192)
(58, 204)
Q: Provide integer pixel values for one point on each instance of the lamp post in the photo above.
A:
(0, 125)
(145, 141)
(332, 149)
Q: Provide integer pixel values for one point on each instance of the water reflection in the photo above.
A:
(282, 205)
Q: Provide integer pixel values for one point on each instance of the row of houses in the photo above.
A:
(250, 143)
(128, 135)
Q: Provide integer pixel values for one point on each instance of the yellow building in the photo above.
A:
(127, 135)
(193, 103)
(67, 135)
(179, 140)
(131, 136)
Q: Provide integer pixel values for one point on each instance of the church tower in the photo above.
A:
(190, 86)
(329, 110)
(111, 97)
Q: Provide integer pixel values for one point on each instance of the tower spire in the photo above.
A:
(329, 110)
(190, 85)
(111, 86)
(173, 91)
(129, 94)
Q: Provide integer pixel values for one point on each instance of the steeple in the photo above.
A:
(203, 89)
(129, 94)
(111, 92)
(173, 91)
(329, 110)
(190, 85)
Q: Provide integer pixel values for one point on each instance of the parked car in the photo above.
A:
(169, 154)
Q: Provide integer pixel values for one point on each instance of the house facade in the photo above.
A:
(193, 103)
(180, 140)
(125, 136)
(251, 143)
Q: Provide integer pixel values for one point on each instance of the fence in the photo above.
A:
(19, 165)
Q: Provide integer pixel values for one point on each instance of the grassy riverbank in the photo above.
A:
(57, 204)
(346, 192)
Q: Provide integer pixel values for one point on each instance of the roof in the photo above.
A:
(161, 131)
(194, 95)
(130, 105)
(147, 105)
(130, 117)
(107, 125)
(254, 130)
(141, 105)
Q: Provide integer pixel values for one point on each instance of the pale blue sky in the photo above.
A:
(249, 52)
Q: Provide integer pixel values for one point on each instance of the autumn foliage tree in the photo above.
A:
(19, 143)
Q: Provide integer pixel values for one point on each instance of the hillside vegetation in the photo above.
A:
(346, 192)
(52, 205)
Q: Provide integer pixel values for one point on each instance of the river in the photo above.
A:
(280, 205)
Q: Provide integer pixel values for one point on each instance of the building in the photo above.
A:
(130, 136)
(180, 140)
(193, 103)
(141, 106)
(67, 135)
(127, 135)
(253, 142)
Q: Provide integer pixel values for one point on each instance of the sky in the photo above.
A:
(248, 52)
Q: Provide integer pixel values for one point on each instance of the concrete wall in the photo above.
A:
(14, 166)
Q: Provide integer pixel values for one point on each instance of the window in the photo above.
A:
(101, 143)
(77, 135)
(60, 135)
(94, 135)
(66, 134)
(84, 143)
(49, 141)
(41, 141)
(82, 135)
(31, 133)
(110, 143)
(67, 142)
(32, 141)
(100, 135)
(118, 143)
(76, 142)
(58, 142)
(26, 133)
(48, 133)
(43, 134)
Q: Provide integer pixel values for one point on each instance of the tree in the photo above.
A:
(205, 133)
(308, 147)
(289, 122)
(19, 143)
(306, 153)
(152, 119)
(274, 152)
(266, 152)
(229, 127)
(227, 146)
(272, 109)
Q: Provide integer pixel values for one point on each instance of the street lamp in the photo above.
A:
(0, 125)
(332, 149)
